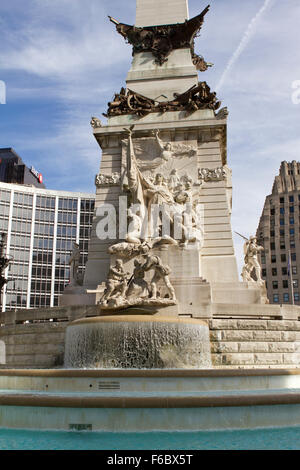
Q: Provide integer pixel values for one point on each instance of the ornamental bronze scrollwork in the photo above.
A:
(195, 98)
(162, 40)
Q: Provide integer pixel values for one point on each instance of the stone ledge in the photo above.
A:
(250, 324)
(140, 373)
(59, 401)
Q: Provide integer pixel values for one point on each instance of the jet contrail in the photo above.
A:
(244, 42)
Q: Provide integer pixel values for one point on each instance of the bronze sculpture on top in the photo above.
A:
(162, 40)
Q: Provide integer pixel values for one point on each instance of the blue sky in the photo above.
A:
(62, 61)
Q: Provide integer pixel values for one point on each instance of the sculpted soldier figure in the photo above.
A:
(161, 273)
(116, 283)
(251, 250)
(138, 287)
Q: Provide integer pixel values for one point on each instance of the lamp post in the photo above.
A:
(4, 262)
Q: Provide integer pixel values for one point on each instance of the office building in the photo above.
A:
(278, 233)
(14, 170)
(42, 226)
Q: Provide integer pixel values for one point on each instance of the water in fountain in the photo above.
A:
(134, 343)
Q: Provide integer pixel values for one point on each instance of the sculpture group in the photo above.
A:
(125, 290)
(162, 211)
(165, 205)
(129, 102)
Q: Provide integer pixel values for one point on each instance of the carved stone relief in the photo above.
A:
(216, 174)
(107, 180)
(162, 179)
(95, 123)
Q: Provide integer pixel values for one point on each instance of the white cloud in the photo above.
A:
(66, 49)
(251, 29)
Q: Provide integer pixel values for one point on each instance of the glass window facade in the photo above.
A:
(42, 226)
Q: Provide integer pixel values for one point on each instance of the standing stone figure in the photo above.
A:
(74, 264)
(161, 273)
(116, 284)
(191, 230)
(251, 250)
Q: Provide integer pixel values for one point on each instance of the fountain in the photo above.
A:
(160, 333)
(138, 342)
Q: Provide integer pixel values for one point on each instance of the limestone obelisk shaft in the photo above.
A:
(159, 12)
(176, 75)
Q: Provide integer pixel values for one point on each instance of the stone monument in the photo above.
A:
(161, 266)
(164, 147)
(161, 287)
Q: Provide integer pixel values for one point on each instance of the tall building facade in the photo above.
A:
(42, 226)
(14, 170)
(278, 232)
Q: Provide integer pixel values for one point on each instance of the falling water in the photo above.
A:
(138, 345)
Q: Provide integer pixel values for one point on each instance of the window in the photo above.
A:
(275, 284)
(264, 272)
(291, 209)
(286, 297)
(293, 257)
(263, 259)
(282, 245)
(292, 220)
(295, 283)
(284, 271)
(285, 284)
(292, 231)
(281, 210)
(281, 200)
(272, 211)
(283, 258)
(294, 269)
(275, 298)
(291, 198)
(272, 246)
(281, 232)
(281, 221)
(274, 271)
(273, 259)
(292, 244)
(272, 233)
(296, 297)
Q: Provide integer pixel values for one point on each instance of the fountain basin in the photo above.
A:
(137, 342)
(147, 400)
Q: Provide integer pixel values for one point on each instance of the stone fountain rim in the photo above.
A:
(137, 319)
